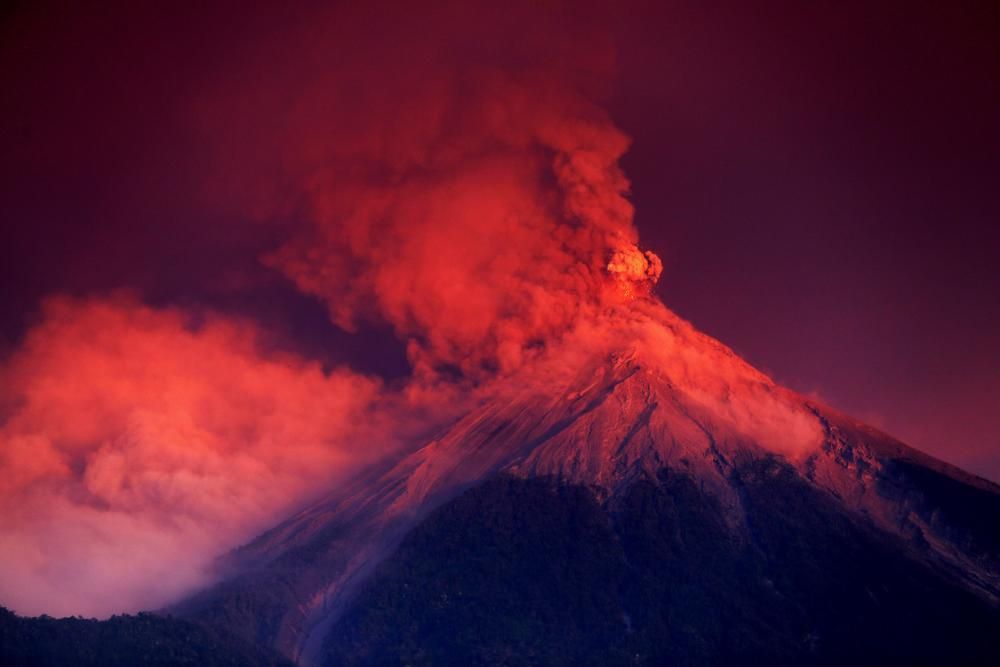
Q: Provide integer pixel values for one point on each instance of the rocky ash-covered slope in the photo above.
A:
(639, 495)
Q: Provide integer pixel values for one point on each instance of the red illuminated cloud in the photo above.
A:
(459, 181)
(137, 446)
(485, 251)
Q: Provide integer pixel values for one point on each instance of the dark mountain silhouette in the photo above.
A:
(124, 641)
(638, 495)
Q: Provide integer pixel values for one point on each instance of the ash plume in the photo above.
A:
(472, 201)
(449, 172)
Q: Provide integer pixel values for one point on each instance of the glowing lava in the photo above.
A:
(635, 271)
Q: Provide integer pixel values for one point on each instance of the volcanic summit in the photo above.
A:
(728, 517)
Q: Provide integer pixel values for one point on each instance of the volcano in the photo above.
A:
(634, 494)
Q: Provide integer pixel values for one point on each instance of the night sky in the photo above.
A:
(820, 181)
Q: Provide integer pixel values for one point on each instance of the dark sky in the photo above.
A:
(819, 178)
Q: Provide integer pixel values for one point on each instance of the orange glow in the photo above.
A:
(634, 271)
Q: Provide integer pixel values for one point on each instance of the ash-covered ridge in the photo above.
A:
(623, 397)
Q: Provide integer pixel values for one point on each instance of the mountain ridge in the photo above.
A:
(618, 401)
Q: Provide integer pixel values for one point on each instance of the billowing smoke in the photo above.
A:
(137, 442)
(448, 172)
(455, 177)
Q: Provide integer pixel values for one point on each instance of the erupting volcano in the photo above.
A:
(772, 527)
(371, 367)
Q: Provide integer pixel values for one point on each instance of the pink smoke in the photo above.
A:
(459, 181)
(138, 444)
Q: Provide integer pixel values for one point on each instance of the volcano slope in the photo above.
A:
(637, 494)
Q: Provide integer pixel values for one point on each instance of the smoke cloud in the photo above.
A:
(450, 173)
(459, 181)
(137, 444)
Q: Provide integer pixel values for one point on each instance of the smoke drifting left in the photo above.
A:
(136, 444)
(448, 174)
